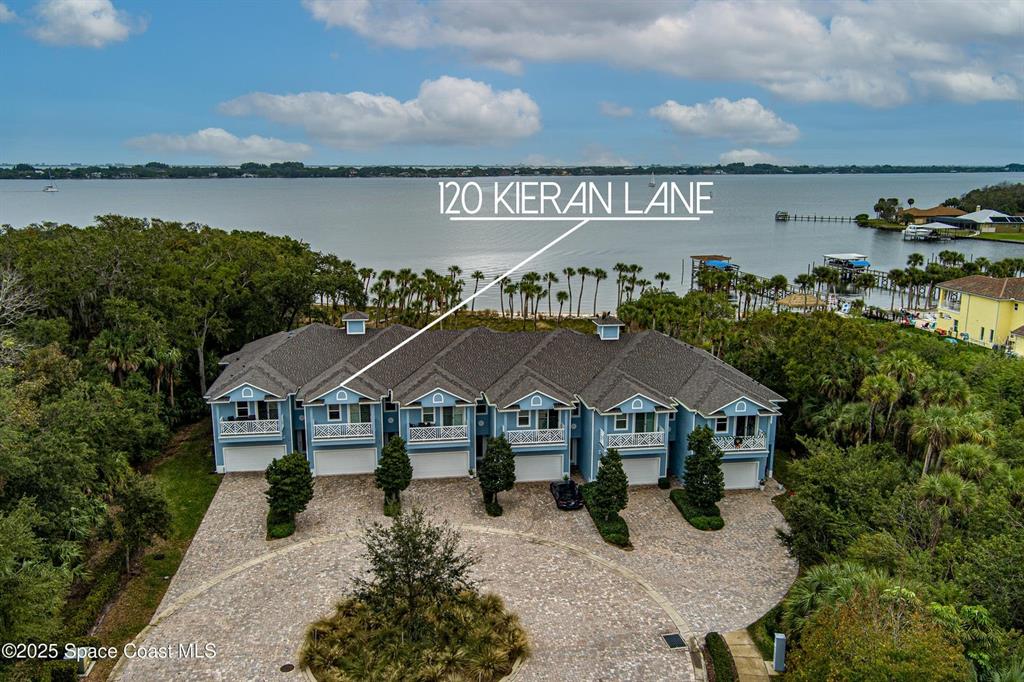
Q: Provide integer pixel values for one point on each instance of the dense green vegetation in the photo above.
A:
(1005, 197)
(416, 614)
(497, 472)
(606, 496)
(296, 169)
(721, 658)
(393, 474)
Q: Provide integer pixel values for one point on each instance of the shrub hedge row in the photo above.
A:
(721, 658)
(614, 530)
(701, 519)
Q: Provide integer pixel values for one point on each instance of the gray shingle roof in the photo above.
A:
(505, 367)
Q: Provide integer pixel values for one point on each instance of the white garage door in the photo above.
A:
(251, 457)
(740, 475)
(349, 461)
(445, 464)
(642, 470)
(538, 467)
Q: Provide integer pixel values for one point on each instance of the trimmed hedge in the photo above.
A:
(721, 658)
(664, 483)
(614, 530)
(701, 519)
(279, 526)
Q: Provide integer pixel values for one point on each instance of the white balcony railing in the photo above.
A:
(759, 441)
(342, 431)
(637, 439)
(250, 427)
(535, 436)
(419, 434)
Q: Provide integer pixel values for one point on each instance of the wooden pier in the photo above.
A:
(785, 217)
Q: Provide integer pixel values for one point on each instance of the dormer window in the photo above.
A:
(608, 326)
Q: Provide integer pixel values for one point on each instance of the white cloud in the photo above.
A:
(743, 120)
(866, 51)
(86, 23)
(222, 145)
(614, 110)
(748, 156)
(968, 85)
(445, 111)
(6, 14)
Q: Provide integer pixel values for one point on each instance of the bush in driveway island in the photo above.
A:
(416, 614)
(393, 474)
(606, 496)
(497, 472)
(703, 481)
(291, 489)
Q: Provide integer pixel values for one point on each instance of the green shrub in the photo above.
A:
(664, 483)
(290, 485)
(763, 630)
(393, 507)
(279, 526)
(493, 508)
(721, 658)
(393, 474)
(701, 519)
(470, 637)
(612, 529)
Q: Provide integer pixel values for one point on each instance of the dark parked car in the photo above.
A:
(567, 495)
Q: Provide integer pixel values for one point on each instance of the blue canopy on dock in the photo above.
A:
(860, 263)
(720, 264)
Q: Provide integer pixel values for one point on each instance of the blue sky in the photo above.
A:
(359, 82)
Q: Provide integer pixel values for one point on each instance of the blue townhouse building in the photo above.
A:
(561, 399)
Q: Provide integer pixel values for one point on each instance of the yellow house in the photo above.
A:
(988, 311)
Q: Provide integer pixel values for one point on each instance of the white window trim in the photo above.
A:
(719, 420)
(329, 409)
(247, 392)
(244, 404)
(637, 404)
(433, 416)
(741, 407)
(615, 422)
(519, 419)
(341, 396)
(536, 401)
(437, 399)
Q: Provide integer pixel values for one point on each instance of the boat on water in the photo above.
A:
(51, 187)
(651, 183)
(929, 232)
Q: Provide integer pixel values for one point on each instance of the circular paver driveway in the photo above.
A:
(592, 611)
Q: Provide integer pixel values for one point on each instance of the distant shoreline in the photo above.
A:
(156, 170)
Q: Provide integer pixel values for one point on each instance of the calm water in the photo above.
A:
(394, 223)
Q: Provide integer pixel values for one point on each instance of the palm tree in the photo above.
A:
(550, 279)
(661, 278)
(583, 272)
(936, 428)
(971, 461)
(620, 278)
(945, 496)
(599, 275)
(915, 260)
(879, 391)
(569, 273)
(854, 422)
(366, 274)
(562, 298)
(476, 277)
(778, 284)
(501, 295)
(454, 271)
(510, 290)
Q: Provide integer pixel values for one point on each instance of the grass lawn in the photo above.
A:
(183, 471)
(1001, 236)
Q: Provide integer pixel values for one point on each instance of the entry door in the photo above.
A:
(746, 426)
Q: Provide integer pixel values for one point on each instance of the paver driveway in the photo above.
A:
(592, 611)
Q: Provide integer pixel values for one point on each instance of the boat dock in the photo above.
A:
(786, 216)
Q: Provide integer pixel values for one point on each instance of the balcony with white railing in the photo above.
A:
(535, 436)
(436, 434)
(343, 431)
(633, 439)
(232, 428)
(758, 441)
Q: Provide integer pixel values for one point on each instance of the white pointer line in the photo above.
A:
(465, 302)
(605, 219)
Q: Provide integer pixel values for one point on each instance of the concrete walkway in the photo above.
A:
(750, 666)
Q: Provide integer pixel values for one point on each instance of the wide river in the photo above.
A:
(395, 222)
